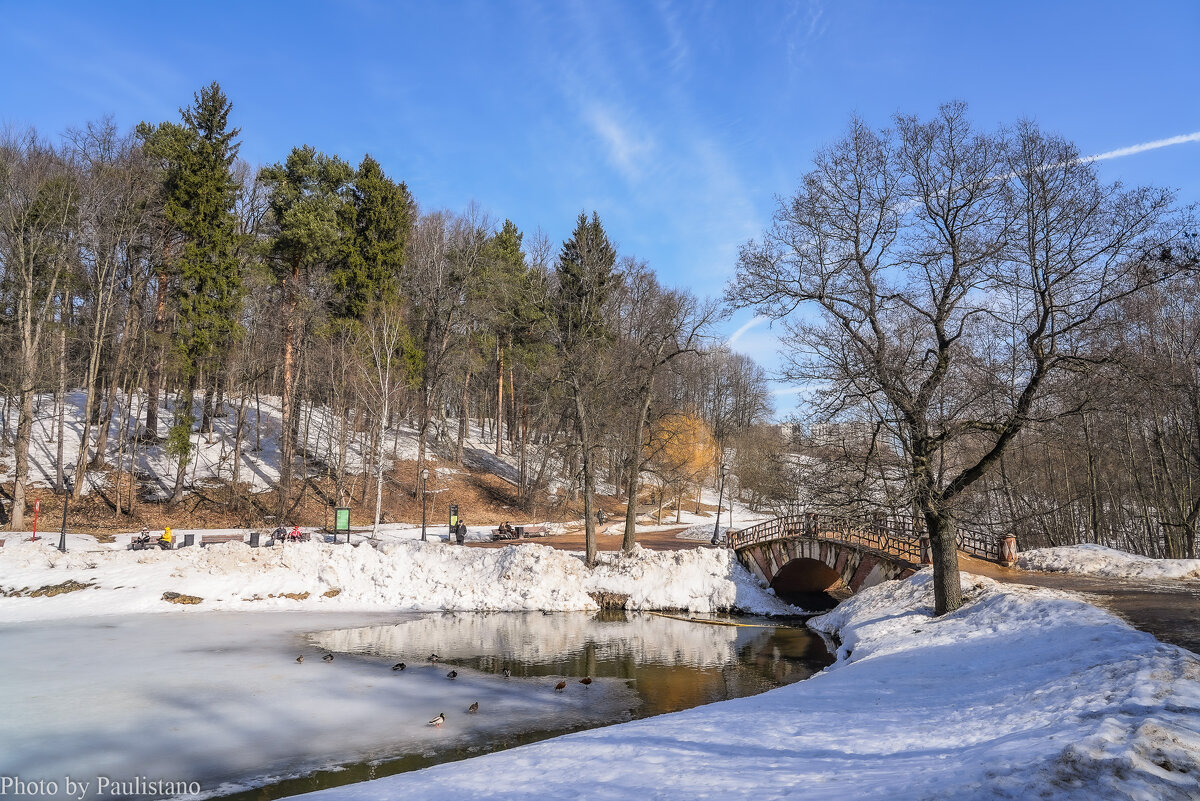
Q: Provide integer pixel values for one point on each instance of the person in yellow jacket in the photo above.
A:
(166, 536)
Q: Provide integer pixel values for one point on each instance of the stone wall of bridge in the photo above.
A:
(799, 565)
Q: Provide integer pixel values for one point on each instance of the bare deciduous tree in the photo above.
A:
(945, 277)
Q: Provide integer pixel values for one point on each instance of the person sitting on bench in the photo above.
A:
(506, 530)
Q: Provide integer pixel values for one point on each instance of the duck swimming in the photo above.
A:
(473, 708)
(452, 674)
(399, 666)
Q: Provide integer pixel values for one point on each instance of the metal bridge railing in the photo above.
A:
(903, 539)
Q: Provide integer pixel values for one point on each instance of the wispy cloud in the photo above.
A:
(736, 335)
(626, 150)
(1142, 148)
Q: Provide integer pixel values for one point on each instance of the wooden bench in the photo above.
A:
(213, 539)
(520, 532)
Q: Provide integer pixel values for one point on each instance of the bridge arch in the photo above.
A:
(799, 565)
(797, 553)
(806, 575)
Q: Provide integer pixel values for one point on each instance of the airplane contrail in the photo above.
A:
(736, 335)
(1155, 145)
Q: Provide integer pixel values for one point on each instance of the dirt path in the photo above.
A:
(1167, 608)
(608, 539)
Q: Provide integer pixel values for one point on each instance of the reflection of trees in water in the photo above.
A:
(537, 641)
(672, 664)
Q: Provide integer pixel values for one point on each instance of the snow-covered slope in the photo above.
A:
(1096, 560)
(320, 432)
(1022, 694)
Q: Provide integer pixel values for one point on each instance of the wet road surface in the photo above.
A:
(1167, 608)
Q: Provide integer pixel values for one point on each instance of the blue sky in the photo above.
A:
(678, 122)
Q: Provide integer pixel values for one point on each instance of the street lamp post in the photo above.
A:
(724, 473)
(424, 477)
(62, 537)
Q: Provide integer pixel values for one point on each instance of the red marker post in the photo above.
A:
(37, 507)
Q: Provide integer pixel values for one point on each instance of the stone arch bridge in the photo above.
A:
(810, 553)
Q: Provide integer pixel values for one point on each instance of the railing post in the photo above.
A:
(1008, 551)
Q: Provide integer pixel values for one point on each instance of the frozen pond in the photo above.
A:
(220, 700)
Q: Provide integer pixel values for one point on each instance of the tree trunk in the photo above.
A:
(462, 419)
(154, 384)
(589, 473)
(379, 469)
(499, 397)
(947, 584)
(237, 446)
(62, 393)
(186, 403)
(635, 471)
(422, 435)
(287, 450)
(24, 434)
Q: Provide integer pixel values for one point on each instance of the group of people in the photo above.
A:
(142, 541)
(283, 535)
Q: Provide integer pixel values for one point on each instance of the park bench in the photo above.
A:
(213, 539)
(520, 532)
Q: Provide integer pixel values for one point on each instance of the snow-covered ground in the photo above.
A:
(1022, 694)
(1097, 560)
(399, 576)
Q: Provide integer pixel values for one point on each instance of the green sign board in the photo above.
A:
(341, 519)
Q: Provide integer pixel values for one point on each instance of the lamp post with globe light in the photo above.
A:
(724, 474)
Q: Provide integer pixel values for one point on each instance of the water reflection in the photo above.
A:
(669, 665)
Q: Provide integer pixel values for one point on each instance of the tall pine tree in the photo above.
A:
(310, 215)
(585, 282)
(200, 191)
(381, 215)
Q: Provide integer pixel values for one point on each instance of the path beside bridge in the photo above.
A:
(1167, 608)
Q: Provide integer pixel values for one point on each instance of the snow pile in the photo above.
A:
(411, 576)
(1024, 693)
(1096, 560)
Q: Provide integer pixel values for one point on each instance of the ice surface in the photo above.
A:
(220, 698)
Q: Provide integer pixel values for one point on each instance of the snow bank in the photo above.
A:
(1024, 693)
(1096, 560)
(398, 576)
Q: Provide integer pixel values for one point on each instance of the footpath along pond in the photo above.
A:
(220, 699)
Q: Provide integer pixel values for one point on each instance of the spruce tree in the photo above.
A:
(311, 216)
(381, 214)
(585, 282)
(200, 191)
